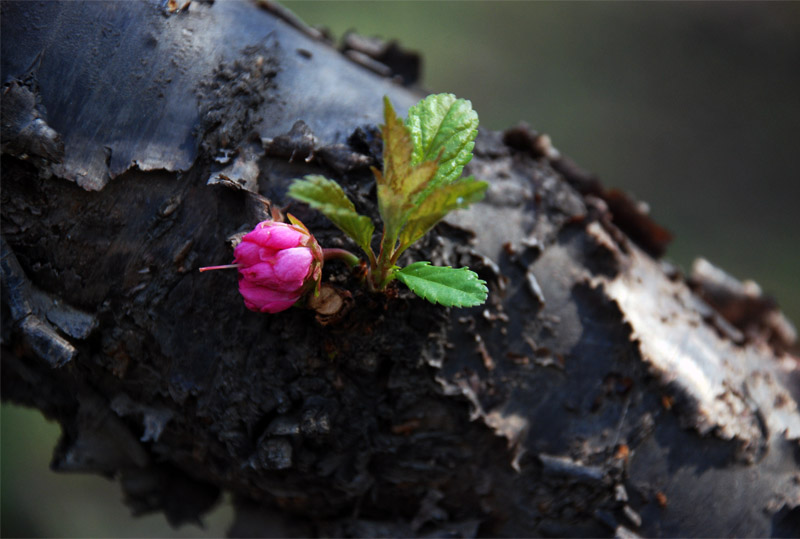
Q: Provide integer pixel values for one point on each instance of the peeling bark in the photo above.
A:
(596, 393)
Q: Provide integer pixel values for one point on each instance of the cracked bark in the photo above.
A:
(598, 392)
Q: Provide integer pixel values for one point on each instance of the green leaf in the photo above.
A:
(328, 197)
(401, 179)
(444, 285)
(443, 127)
(397, 149)
(439, 203)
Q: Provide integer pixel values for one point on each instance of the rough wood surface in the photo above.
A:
(596, 393)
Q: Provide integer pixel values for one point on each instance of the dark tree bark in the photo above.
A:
(597, 392)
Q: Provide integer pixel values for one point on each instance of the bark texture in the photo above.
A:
(597, 392)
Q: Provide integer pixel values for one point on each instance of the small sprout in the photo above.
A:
(419, 185)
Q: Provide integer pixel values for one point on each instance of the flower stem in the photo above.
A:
(226, 266)
(341, 254)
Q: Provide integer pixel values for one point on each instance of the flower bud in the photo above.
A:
(278, 263)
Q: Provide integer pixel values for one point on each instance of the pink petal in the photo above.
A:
(246, 253)
(276, 235)
(261, 299)
(265, 254)
(292, 265)
(261, 274)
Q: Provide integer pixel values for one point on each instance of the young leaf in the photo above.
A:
(439, 203)
(442, 123)
(401, 179)
(397, 149)
(328, 197)
(444, 285)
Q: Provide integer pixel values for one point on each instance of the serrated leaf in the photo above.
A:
(439, 203)
(444, 127)
(444, 285)
(397, 148)
(328, 197)
(400, 174)
(401, 181)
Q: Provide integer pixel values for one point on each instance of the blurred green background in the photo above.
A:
(692, 107)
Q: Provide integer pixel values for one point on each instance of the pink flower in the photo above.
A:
(278, 263)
